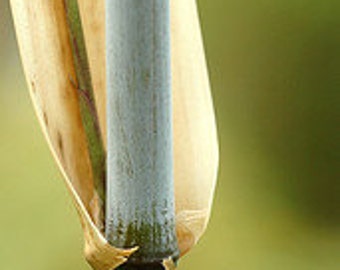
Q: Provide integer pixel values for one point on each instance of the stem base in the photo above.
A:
(144, 266)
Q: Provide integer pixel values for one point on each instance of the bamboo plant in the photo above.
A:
(155, 121)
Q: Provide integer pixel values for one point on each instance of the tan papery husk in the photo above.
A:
(47, 59)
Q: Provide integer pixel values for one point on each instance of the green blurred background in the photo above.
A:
(275, 73)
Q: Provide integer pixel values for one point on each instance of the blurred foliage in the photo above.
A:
(275, 73)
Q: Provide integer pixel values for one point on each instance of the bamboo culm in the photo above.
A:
(140, 192)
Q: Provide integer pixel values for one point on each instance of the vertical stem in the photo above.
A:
(140, 193)
(88, 110)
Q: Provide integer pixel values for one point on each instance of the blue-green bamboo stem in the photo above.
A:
(140, 193)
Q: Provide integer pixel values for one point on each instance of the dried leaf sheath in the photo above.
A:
(195, 135)
(47, 58)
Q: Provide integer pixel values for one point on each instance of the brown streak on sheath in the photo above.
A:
(33, 87)
(45, 119)
(60, 144)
